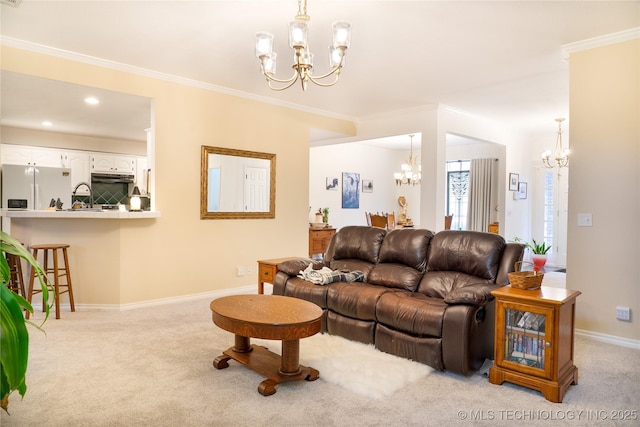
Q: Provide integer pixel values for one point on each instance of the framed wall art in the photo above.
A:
(514, 178)
(350, 190)
(522, 190)
(332, 183)
(367, 186)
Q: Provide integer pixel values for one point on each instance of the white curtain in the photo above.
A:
(482, 193)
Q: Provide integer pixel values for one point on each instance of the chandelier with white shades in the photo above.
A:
(303, 58)
(560, 156)
(411, 171)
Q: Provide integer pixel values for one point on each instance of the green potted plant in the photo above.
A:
(325, 215)
(538, 252)
(14, 337)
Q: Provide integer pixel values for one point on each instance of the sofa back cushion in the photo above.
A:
(459, 258)
(402, 260)
(355, 248)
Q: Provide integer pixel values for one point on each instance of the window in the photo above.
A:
(549, 209)
(458, 192)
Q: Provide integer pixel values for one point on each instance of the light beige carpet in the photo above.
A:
(153, 367)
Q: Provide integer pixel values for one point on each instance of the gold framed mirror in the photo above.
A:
(237, 184)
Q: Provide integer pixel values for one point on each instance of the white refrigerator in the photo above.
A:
(33, 187)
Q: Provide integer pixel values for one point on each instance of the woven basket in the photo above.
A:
(529, 280)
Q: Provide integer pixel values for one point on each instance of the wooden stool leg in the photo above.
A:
(20, 277)
(56, 282)
(46, 270)
(32, 276)
(68, 270)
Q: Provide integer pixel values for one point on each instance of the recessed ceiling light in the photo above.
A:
(47, 124)
(91, 100)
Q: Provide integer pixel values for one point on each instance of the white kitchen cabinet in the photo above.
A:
(29, 155)
(102, 162)
(80, 164)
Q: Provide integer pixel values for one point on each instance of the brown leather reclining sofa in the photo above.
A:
(424, 297)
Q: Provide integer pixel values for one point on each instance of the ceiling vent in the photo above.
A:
(14, 3)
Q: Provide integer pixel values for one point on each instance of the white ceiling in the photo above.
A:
(494, 59)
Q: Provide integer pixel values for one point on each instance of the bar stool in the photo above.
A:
(16, 279)
(57, 273)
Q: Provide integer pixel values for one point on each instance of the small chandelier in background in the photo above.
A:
(303, 58)
(560, 156)
(411, 171)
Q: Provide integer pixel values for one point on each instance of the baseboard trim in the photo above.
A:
(609, 339)
(162, 301)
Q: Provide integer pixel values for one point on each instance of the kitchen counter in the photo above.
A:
(106, 214)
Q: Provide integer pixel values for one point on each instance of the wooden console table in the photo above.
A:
(267, 269)
(271, 317)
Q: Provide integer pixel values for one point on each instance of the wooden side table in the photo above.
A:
(319, 240)
(267, 269)
(534, 339)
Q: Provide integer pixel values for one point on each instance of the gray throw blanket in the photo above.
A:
(325, 275)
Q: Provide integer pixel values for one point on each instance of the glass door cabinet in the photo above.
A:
(534, 339)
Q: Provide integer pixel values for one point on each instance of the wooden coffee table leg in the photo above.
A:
(242, 344)
(290, 364)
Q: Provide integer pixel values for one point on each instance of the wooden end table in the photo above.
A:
(534, 335)
(267, 269)
(271, 317)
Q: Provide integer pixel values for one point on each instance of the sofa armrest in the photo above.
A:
(476, 294)
(293, 266)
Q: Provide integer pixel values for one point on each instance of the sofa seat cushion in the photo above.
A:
(412, 313)
(356, 300)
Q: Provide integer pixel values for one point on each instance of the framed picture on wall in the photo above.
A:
(350, 190)
(367, 186)
(522, 190)
(332, 183)
(514, 178)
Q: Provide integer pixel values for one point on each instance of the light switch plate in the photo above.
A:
(585, 220)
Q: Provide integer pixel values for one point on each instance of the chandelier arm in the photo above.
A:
(315, 81)
(287, 86)
(293, 78)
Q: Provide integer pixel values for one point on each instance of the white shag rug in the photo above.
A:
(355, 366)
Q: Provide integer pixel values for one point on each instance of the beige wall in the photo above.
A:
(604, 180)
(179, 254)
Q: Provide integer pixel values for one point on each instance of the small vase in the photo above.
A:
(539, 260)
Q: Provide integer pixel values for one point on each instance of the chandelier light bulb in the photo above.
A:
(264, 44)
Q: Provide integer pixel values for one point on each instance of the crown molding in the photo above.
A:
(118, 66)
(594, 42)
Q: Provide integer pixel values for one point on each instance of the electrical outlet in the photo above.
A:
(623, 313)
(239, 271)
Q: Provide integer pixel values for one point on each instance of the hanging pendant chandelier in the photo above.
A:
(411, 171)
(560, 156)
(303, 58)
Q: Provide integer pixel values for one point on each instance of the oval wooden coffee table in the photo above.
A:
(270, 317)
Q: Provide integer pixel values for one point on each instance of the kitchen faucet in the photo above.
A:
(90, 192)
